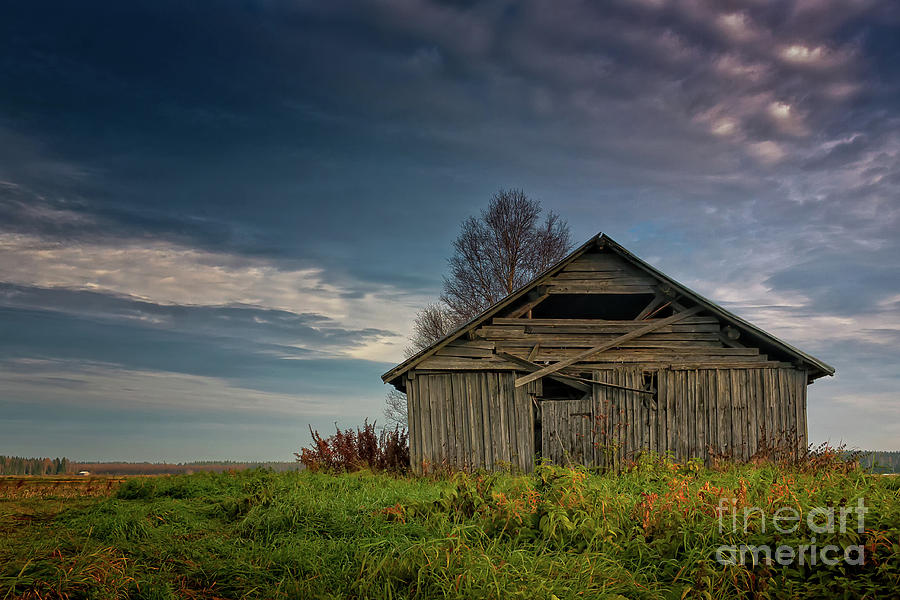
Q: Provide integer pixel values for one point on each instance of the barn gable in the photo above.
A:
(598, 293)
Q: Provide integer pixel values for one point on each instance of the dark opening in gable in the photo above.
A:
(592, 306)
(553, 389)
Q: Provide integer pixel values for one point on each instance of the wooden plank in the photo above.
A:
(737, 415)
(767, 404)
(677, 392)
(512, 394)
(755, 376)
(413, 422)
(685, 413)
(527, 307)
(452, 363)
(546, 425)
(496, 420)
(463, 351)
(804, 434)
(590, 280)
(530, 366)
(587, 426)
(702, 413)
(711, 409)
(667, 401)
(686, 365)
(622, 405)
(473, 422)
(431, 420)
(487, 432)
(503, 402)
(601, 262)
(425, 409)
(522, 433)
(600, 289)
(661, 412)
(694, 412)
(697, 353)
(640, 413)
(597, 349)
(689, 413)
(530, 416)
(602, 276)
(464, 343)
(592, 323)
(440, 416)
(744, 378)
(463, 428)
(722, 423)
(526, 429)
(782, 401)
(652, 414)
(657, 301)
(589, 340)
(605, 329)
(452, 429)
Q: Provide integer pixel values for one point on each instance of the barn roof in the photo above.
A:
(816, 367)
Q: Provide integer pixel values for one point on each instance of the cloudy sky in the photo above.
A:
(216, 218)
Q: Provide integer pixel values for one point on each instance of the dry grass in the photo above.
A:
(18, 487)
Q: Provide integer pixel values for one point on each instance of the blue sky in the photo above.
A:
(217, 218)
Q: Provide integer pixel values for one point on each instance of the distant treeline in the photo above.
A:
(880, 461)
(17, 465)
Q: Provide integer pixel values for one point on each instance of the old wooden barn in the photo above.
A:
(600, 358)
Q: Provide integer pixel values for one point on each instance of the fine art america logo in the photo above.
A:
(787, 520)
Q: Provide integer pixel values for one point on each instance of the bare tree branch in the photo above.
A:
(495, 254)
(395, 410)
(431, 324)
(500, 252)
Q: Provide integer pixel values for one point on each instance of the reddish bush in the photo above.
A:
(350, 450)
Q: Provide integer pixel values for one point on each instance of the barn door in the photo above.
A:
(567, 431)
(606, 428)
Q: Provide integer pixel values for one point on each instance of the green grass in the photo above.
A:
(562, 533)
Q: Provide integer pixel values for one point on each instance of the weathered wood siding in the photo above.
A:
(728, 411)
(470, 420)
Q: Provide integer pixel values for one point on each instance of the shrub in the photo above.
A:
(350, 450)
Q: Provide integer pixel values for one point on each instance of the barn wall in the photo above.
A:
(470, 420)
(726, 410)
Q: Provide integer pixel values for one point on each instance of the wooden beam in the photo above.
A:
(530, 366)
(657, 300)
(731, 343)
(534, 351)
(527, 307)
(597, 349)
(571, 379)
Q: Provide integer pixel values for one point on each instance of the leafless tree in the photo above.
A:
(500, 251)
(395, 408)
(495, 254)
(431, 324)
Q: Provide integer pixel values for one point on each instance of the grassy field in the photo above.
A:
(561, 533)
